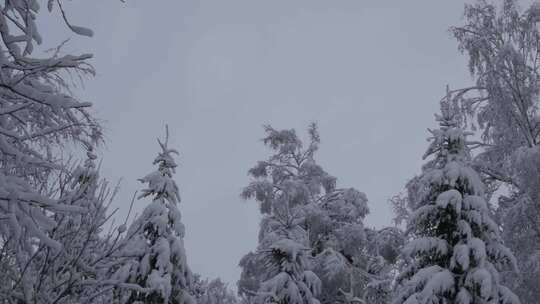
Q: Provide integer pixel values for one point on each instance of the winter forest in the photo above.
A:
(462, 228)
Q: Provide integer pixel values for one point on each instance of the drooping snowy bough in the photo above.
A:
(455, 250)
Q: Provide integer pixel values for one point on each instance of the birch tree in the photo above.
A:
(502, 43)
(38, 116)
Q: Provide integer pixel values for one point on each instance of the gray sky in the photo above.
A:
(369, 72)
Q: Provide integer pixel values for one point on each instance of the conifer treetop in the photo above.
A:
(160, 182)
(455, 251)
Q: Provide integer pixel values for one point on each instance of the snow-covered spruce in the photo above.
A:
(157, 271)
(455, 250)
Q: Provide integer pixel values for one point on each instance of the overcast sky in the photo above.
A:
(369, 72)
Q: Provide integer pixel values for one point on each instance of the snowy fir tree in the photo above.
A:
(455, 250)
(302, 208)
(157, 271)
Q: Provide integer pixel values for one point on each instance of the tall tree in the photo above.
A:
(283, 184)
(38, 117)
(157, 270)
(300, 202)
(503, 46)
(455, 252)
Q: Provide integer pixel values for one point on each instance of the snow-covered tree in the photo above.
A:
(502, 42)
(301, 205)
(38, 116)
(75, 274)
(284, 185)
(288, 280)
(157, 270)
(455, 251)
(353, 261)
(213, 292)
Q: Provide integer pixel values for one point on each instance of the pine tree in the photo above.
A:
(158, 271)
(455, 250)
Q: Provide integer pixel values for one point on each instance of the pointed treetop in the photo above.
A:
(450, 137)
(160, 182)
(165, 158)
